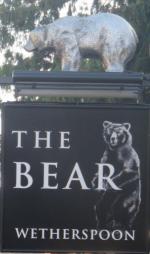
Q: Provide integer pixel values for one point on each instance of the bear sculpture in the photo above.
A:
(118, 209)
(106, 36)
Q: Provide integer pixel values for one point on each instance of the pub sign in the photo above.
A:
(75, 178)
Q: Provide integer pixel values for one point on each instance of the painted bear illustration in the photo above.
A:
(118, 209)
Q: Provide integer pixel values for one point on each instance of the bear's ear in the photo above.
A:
(127, 126)
(106, 124)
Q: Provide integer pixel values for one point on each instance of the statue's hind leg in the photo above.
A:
(111, 63)
(114, 58)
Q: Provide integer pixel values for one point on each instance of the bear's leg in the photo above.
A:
(115, 68)
(71, 63)
(115, 57)
(112, 64)
(70, 56)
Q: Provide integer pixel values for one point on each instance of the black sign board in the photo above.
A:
(75, 178)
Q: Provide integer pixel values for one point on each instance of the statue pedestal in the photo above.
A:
(80, 84)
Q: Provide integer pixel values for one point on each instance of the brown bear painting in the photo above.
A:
(104, 35)
(118, 209)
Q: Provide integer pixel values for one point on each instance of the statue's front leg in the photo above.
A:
(71, 60)
(69, 52)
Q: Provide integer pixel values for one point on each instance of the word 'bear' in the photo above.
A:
(119, 209)
(105, 35)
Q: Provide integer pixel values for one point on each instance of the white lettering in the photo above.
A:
(117, 235)
(54, 234)
(104, 234)
(19, 137)
(66, 234)
(48, 175)
(103, 179)
(79, 178)
(33, 233)
(22, 232)
(20, 166)
(130, 236)
(93, 234)
(64, 140)
(47, 139)
(43, 231)
(75, 234)
(84, 234)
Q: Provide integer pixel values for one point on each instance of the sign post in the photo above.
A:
(75, 178)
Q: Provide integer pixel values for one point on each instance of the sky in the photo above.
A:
(6, 95)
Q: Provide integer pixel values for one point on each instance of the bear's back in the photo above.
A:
(100, 22)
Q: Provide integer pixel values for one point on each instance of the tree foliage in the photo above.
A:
(137, 12)
(18, 17)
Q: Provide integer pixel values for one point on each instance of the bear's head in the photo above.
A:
(116, 135)
(37, 39)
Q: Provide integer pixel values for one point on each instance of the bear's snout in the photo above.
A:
(29, 46)
(114, 139)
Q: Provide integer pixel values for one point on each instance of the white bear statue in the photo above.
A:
(104, 35)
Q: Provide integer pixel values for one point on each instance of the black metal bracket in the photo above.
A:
(80, 84)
